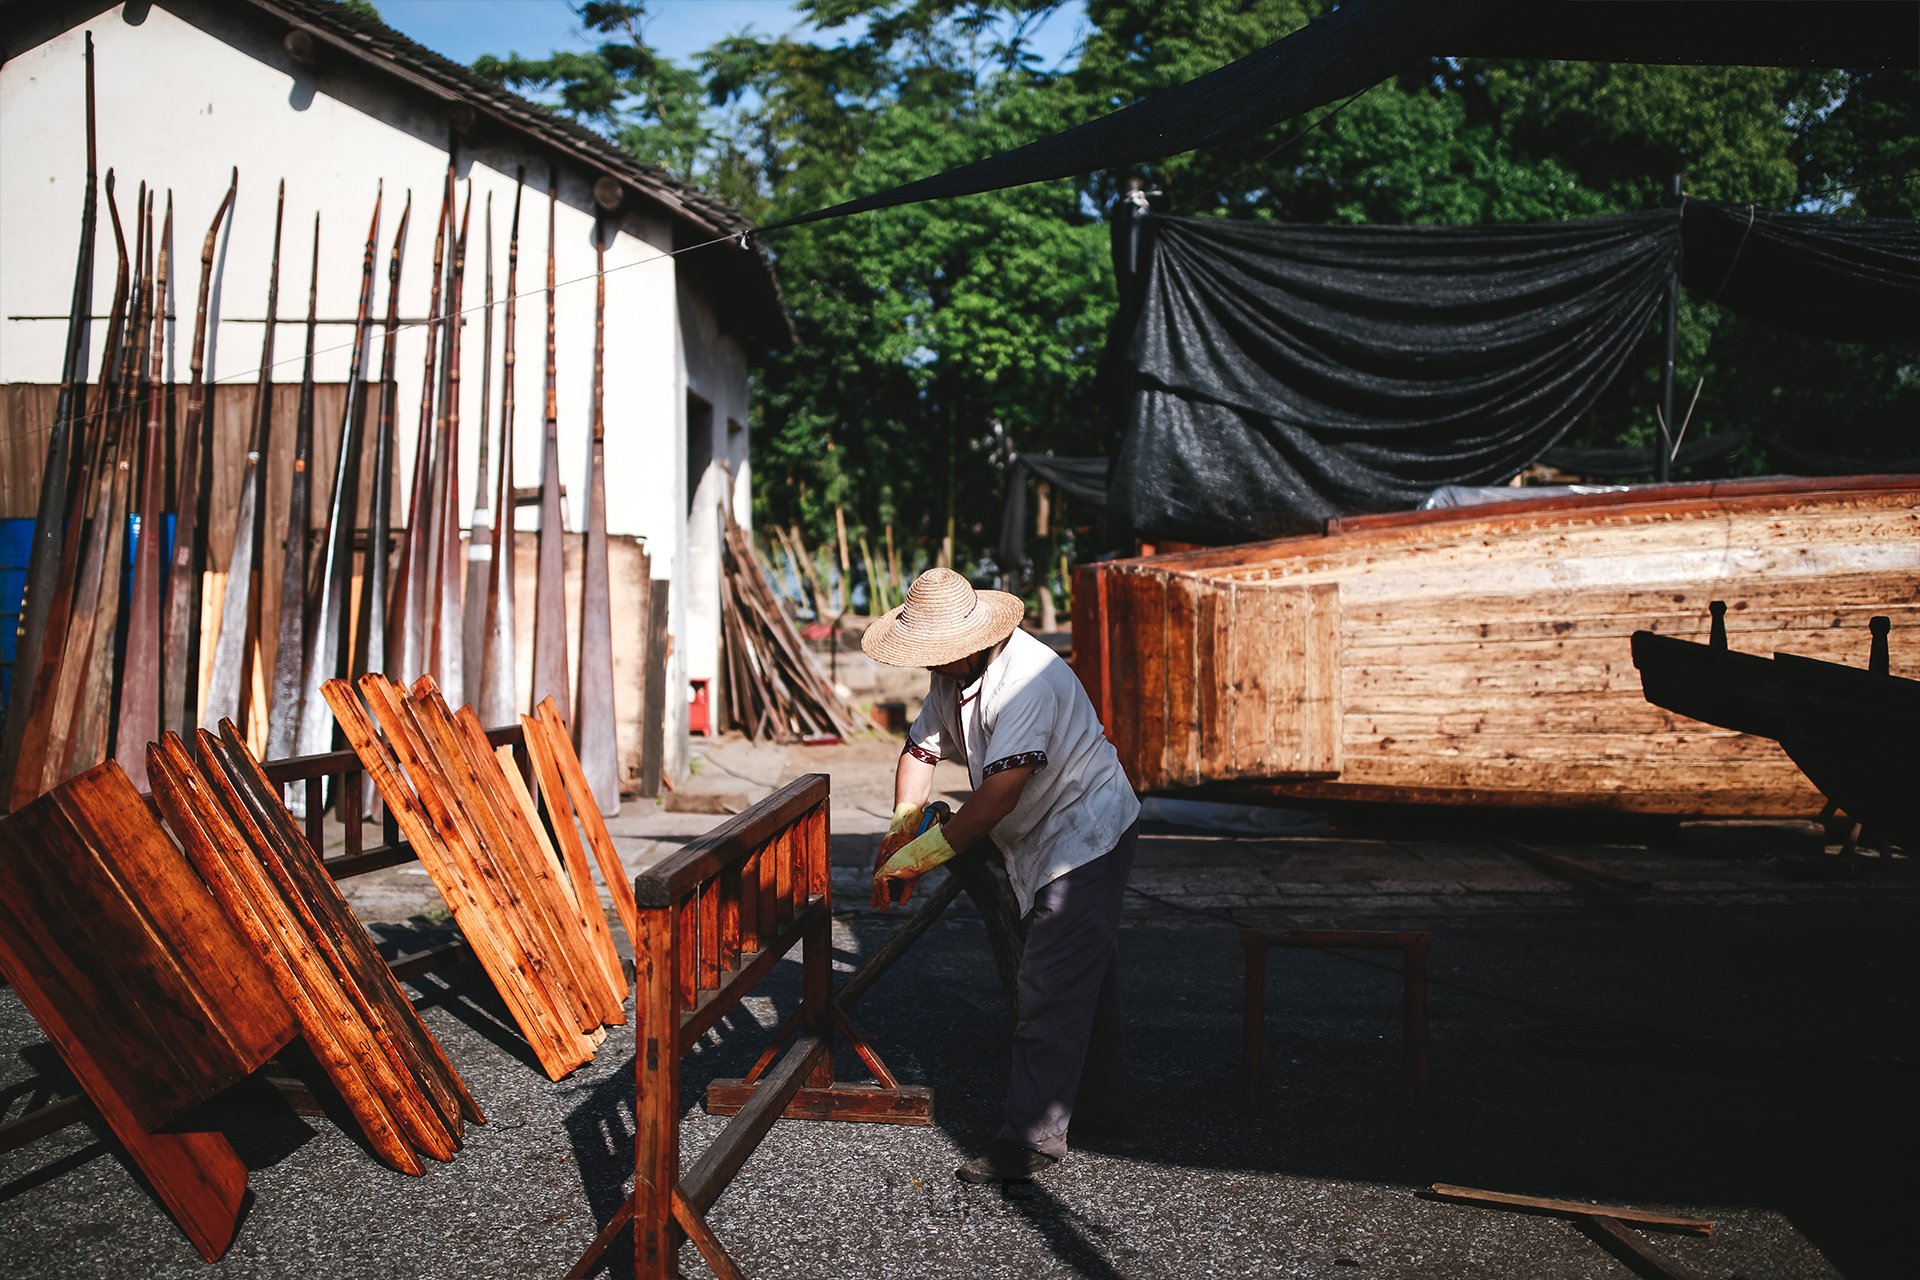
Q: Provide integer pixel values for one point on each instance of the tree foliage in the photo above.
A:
(936, 337)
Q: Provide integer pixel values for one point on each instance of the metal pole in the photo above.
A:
(1666, 375)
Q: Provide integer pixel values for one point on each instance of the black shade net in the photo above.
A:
(1266, 378)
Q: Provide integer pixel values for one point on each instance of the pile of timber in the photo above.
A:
(530, 914)
(773, 688)
(163, 979)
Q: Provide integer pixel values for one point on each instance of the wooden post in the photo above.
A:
(813, 875)
(656, 1104)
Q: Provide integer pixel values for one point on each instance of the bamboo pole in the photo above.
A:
(180, 660)
(44, 558)
(331, 633)
(239, 614)
(498, 703)
(595, 739)
(370, 643)
(139, 716)
(445, 636)
(550, 595)
(406, 605)
(290, 654)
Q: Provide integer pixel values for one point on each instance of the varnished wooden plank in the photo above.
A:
(865, 1103)
(560, 756)
(1322, 705)
(1180, 762)
(333, 1029)
(423, 1122)
(572, 858)
(104, 916)
(483, 902)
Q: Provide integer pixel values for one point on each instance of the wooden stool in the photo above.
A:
(1412, 946)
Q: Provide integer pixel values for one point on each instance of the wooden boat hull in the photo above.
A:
(1482, 655)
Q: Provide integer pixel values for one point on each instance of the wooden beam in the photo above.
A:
(869, 1103)
(1635, 1252)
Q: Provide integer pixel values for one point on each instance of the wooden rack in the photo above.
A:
(714, 919)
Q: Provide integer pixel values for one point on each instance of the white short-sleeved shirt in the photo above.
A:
(1028, 708)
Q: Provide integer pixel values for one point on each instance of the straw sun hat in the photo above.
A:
(943, 620)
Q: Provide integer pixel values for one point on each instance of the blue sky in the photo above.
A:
(464, 29)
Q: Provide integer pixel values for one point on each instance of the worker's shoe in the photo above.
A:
(1005, 1162)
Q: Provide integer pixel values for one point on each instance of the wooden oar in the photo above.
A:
(181, 655)
(370, 642)
(448, 576)
(239, 613)
(595, 737)
(331, 629)
(473, 618)
(44, 558)
(139, 721)
(290, 654)
(56, 682)
(407, 602)
(88, 741)
(550, 591)
(497, 700)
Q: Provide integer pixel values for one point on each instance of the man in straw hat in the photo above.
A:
(1048, 787)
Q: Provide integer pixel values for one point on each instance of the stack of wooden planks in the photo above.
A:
(359, 1024)
(529, 911)
(773, 688)
(147, 991)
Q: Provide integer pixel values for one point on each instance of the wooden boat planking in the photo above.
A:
(1481, 655)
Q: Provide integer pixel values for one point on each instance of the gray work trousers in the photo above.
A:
(1070, 1045)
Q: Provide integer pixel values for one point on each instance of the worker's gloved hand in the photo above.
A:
(906, 822)
(914, 860)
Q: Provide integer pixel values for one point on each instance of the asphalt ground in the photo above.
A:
(1739, 1043)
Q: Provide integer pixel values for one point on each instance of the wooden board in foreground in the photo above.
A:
(1574, 1209)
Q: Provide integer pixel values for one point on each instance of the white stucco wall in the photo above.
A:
(187, 90)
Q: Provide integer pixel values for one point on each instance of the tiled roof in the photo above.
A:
(336, 27)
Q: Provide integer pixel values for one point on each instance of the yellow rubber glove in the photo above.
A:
(915, 860)
(906, 821)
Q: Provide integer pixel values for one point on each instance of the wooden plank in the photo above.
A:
(107, 920)
(584, 898)
(1581, 873)
(1573, 1209)
(435, 828)
(1321, 706)
(710, 966)
(415, 1043)
(560, 757)
(424, 1121)
(473, 777)
(687, 928)
(339, 1039)
(1256, 635)
(1185, 681)
(906, 1104)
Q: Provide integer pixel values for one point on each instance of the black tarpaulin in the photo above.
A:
(1357, 45)
(1266, 378)
(1083, 478)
